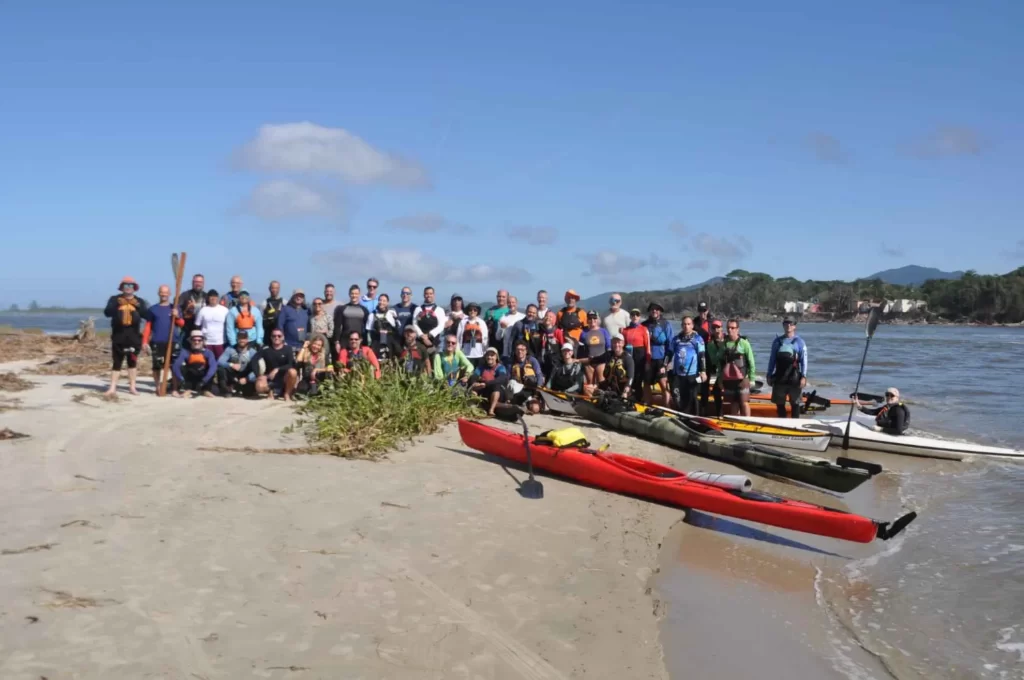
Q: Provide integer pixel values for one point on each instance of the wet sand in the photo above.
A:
(128, 552)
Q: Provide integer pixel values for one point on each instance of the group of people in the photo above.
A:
(227, 344)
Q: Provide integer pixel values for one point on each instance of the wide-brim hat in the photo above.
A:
(654, 305)
(130, 281)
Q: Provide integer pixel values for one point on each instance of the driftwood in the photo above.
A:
(86, 330)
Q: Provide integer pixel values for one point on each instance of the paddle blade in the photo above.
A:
(874, 317)
(174, 264)
(866, 396)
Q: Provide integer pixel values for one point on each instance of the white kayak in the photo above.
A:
(868, 438)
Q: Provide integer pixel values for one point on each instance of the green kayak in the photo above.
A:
(842, 476)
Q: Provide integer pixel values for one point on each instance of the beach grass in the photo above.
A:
(12, 382)
(359, 417)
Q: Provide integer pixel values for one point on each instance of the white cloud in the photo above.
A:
(427, 223)
(614, 268)
(283, 199)
(722, 248)
(411, 266)
(534, 236)
(309, 148)
(948, 141)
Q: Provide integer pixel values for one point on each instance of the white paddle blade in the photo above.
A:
(174, 264)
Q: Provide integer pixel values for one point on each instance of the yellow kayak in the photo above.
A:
(754, 433)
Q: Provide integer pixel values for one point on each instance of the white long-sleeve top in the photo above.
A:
(473, 349)
(211, 321)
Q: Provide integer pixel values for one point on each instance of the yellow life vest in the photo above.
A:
(565, 438)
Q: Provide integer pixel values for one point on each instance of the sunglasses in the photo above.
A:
(405, 292)
(889, 395)
(371, 286)
(614, 301)
(277, 335)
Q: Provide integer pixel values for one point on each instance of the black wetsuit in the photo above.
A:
(126, 316)
(892, 418)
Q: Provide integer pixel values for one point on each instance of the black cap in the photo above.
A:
(243, 335)
(655, 305)
(789, 319)
(702, 307)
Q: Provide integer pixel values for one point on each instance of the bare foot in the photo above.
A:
(110, 392)
(189, 395)
(177, 395)
(207, 394)
(287, 398)
(132, 390)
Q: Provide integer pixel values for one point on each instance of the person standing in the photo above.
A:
(160, 319)
(369, 301)
(233, 296)
(638, 345)
(704, 324)
(330, 303)
(320, 321)
(472, 333)
(661, 333)
(405, 310)
(735, 360)
(715, 348)
(495, 313)
(190, 302)
(689, 367)
(787, 369)
(126, 312)
(349, 317)
(505, 325)
(617, 318)
(293, 322)
(542, 304)
(429, 321)
(244, 316)
(456, 313)
(212, 321)
(272, 308)
(382, 329)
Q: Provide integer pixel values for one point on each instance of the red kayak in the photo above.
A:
(646, 479)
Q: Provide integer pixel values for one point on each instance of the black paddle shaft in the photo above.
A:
(873, 318)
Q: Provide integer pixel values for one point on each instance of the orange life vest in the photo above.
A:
(245, 321)
(473, 332)
(196, 358)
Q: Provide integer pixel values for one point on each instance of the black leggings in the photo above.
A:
(684, 392)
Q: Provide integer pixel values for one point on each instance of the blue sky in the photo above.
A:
(593, 145)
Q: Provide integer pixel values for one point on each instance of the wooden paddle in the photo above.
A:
(873, 318)
(178, 267)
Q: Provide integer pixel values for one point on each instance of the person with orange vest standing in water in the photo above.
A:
(572, 320)
(245, 316)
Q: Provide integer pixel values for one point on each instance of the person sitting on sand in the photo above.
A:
(451, 365)
(526, 372)
(244, 316)
(892, 417)
(212, 321)
(160, 319)
(321, 321)
(413, 356)
(382, 329)
(473, 334)
(237, 367)
(355, 352)
(620, 371)
(317, 368)
(194, 369)
(489, 380)
(595, 344)
(293, 320)
(279, 373)
(568, 376)
(126, 312)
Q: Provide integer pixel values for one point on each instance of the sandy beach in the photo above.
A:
(130, 552)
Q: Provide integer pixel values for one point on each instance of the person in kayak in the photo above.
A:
(494, 314)
(244, 316)
(489, 380)
(126, 312)
(595, 344)
(369, 301)
(617, 318)
(568, 375)
(430, 320)
(689, 367)
(505, 325)
(893, 417)
(382, 329)
(237, 367)
(272, 307)
(351, 316)
(317, 367)
(233, 296)
(405, 310)
(413, 356)
(355, 352)
(450, 364)
(571, 319)
(293, 320)
(194, 369)
(661, 334)
(190, 302)
(542, 304)
(280, 374)
(620, 371)
(321, 322)
(787, 369)
(734, 358)
(638, 345)
(160, 319)
(714, 348)
(472, 334)
(456, 313)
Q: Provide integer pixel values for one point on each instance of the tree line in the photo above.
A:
(746, 294)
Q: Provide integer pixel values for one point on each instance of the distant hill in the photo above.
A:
(601, 301)
(913, 275)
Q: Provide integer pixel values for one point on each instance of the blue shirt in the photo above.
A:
(798, 346)
(687, 354)
(369, 302)
(159, 317)
(661, 338)
(293, 322)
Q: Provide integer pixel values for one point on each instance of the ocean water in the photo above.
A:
(945, 599)
(55, 323)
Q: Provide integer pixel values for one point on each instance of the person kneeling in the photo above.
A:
(236, 369)
(356, 352)
(279, 375)
(567, 376)
(489, 380)
(619, 371)
(194, 369)
(316, 368)
(526, 374)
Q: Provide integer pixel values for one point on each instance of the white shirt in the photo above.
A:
(473, 349)
(614, 322)
(504, 326)
(210, 320)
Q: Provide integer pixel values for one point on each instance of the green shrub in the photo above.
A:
(356, 416)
